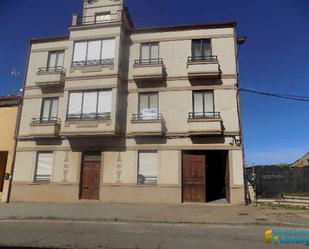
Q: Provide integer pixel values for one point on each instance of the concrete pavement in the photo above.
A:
(184, 213)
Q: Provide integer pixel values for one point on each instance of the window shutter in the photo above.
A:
(80, 51)
(90, 103)
(105, 102)
(154, 51)
(94, 51)
(46, 109)
(198, 102)
(44, 166)
(52, 60)
(75, 104)
(108, 49)
(54, 111)
(209, 101)
(148, 167)
(143, 103)
(145, 51)
(60, 59)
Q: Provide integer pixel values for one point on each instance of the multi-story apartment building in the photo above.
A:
(116, 113)
(8, 119)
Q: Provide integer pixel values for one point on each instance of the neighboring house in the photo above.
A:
(122, 114)
(302, 162)
(8, 116)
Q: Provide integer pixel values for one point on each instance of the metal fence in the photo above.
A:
(274, 181)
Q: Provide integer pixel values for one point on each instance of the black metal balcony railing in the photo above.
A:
(58, 69)
(89, 116)
(141, 117)
(204, 115)
(44, 120)
(94, 62)
(152, 61)
(208, 58)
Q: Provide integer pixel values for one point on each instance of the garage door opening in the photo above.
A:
(205, 176)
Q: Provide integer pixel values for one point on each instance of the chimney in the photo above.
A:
(74, 20)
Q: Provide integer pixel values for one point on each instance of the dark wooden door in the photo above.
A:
(194, 177)
(3, 162)
(90, 180)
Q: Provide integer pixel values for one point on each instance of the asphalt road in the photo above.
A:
(118, 235)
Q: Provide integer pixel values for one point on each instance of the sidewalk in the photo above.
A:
(184, 213)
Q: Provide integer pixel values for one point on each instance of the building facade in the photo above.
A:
(114, 113)
(8, 119)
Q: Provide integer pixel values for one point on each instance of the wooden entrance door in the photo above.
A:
(90, 178)
(193, 178)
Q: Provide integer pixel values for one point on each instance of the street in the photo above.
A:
(122, 235)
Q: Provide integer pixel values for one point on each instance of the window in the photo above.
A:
(147, 167)
(203, 104)
(55, 60)
(49, 111)
(201, 48)
(44, 166)
(103, 17)
(92, 104)
(148, 106)
(149, 53)
(94, 52)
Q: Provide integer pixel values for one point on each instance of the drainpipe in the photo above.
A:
(18, 124)
(239, 41)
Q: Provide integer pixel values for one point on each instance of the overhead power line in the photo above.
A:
(282, 96)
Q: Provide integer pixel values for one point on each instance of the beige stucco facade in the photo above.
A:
(120, 138)
(8, 118)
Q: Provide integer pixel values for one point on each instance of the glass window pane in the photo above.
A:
(80, 50)
(105, 102)
(209, 101)
(155, 51)
(102, 17)
(75, 104)
(196, 48)
(46, 109)
(148, 164)
(44, 166)
(54, 111)
(52, 60)
(143, 102)
(94, 52)
(90, 103)
(145, 51)
(108, 49)
(198, 102)
(60, 59)
(153, 101)
(206, 48)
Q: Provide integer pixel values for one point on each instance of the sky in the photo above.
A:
(275, 58)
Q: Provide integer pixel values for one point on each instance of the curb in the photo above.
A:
(102, 220)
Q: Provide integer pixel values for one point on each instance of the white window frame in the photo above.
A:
(40, 177)
(103, 59)
(97, 114)
(147, 179)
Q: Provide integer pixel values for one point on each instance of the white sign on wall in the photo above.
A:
(150, 114)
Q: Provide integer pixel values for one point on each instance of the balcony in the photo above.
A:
(142, 125)
(44, 128)
(149, 69)
(205, 123)
(50, 76)
(96, 19)
(95, 124)
(203, 67)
